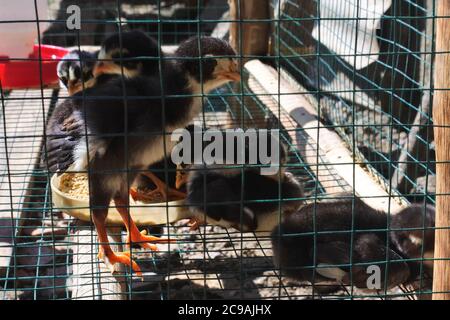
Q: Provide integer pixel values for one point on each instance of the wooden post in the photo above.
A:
(251, 37)
(441, 115)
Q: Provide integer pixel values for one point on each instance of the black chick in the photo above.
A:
(76, 72)
(416, 240)
(214, 197)
(215, 193)
(115, 151)
(318, 237)
(130, 53)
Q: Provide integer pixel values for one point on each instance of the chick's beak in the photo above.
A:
(181, 179)
(231, 75)
(74, 87)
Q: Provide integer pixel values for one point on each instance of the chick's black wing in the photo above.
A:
(338, 260)
(64, 131)
(372, 250)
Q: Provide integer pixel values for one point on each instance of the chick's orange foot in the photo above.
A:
(161, 193)
(195, 223)
(141, 239)
(157, 195)
(134, 236)
(111, 258)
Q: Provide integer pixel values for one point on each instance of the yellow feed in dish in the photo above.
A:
(75, 185)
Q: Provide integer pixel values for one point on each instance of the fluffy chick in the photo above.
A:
(315, 245)
(113, 150)
(242, 198)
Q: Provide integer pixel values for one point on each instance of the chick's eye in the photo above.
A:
(130, 64)
(208, 65)
(125, 60)
(77, 72)
(117, 57)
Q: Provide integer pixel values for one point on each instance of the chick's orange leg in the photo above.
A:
(134, 235)
(195, 223)
(161, 193)
(106, 253)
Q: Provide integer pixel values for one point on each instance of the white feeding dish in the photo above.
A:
(143, 214)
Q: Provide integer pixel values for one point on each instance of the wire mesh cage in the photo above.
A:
(391, 94)
(347, 84)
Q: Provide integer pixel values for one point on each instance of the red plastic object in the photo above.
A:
(22, 74)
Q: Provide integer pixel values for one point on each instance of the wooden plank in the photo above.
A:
(313, 156)
(334, 150)
(91, 278)
(441, 116)
(22, 128)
